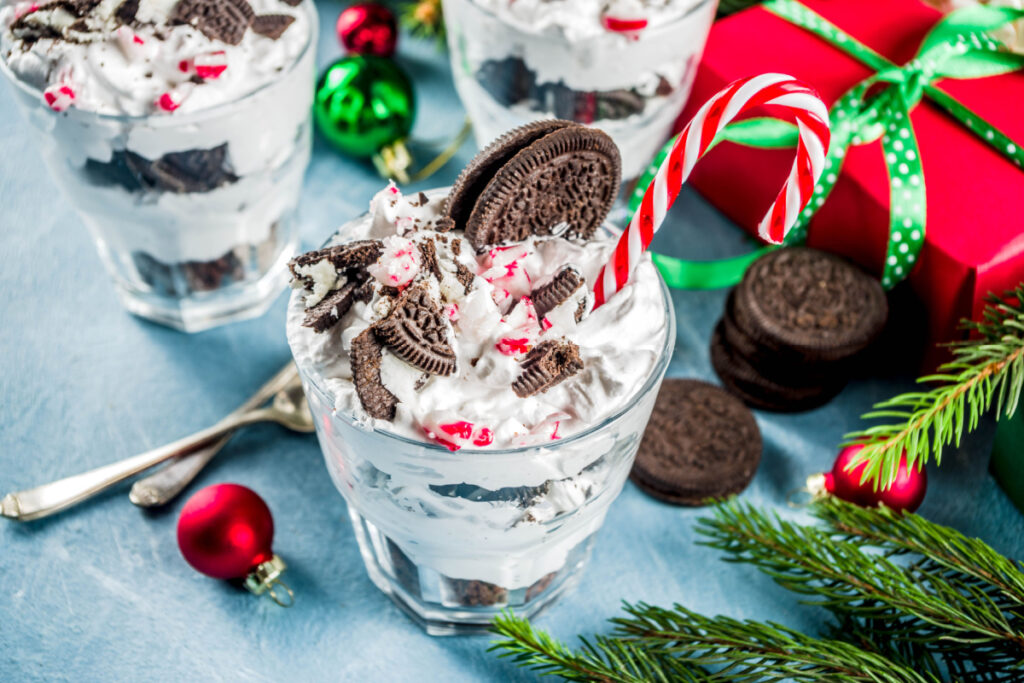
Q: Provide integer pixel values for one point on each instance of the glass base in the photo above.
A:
(444, 606)
(205, 310)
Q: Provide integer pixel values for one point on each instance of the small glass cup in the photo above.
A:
(633, 87)
(194, 214)
(456, 537)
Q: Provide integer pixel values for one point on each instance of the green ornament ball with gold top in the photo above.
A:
(363, 104)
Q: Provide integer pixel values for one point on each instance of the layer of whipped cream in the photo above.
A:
(619, 342)
(582, 20)
(129, 69)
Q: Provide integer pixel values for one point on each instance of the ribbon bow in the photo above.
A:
(959, 46)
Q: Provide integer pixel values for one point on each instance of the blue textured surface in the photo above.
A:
(101, 592)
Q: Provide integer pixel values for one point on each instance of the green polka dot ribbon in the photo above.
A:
(959, 46)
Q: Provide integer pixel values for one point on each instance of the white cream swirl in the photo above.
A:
(619, 342)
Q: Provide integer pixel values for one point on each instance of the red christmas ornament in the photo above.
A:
(906, 492)
(367, 28)
(225, 531)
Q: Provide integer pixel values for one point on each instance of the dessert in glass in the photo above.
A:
(476, 411)
(180, 131)
(624, 66)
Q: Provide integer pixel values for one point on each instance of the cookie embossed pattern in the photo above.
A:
(476, 412)
(180, 131)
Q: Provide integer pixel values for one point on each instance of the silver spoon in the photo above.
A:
(289, 410)
(167, 482)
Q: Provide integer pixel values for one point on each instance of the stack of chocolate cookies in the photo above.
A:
(794, 329)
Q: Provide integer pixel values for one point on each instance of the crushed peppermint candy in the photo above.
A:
(454, 434)
(173, 98)
(206, 66)
(59, 96)
(504, 269)
(523, 327)
(398, 264)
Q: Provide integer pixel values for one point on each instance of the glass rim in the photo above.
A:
(652, 380)
(526, 29)
(163, 120)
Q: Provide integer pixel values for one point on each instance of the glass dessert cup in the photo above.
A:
(193, 214)
(456, 537)
(631, 87)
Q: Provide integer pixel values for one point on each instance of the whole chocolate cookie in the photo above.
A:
(563, 184)
(806, 303)
(793, 394)
(791, 368)
(701, 443)
(478, 173)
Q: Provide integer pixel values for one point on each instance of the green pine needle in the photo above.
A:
(914, 602)
(986, 371)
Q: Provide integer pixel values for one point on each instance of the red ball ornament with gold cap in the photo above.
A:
(844, 482)
(225, 531)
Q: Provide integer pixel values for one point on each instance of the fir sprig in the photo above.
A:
(914, 581)
(914, 601)
(986, 370)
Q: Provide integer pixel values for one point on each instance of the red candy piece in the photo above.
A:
(23, 8)
(207, 66)
(513, 346)
(458, 433)
(624, 25)
(59, 97)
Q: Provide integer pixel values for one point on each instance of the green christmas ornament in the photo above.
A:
(365, 106)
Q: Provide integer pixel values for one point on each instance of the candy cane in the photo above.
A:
(767, 89)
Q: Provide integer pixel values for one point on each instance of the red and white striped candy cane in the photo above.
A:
(778, 90)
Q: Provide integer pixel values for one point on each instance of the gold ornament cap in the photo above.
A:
(266, 578)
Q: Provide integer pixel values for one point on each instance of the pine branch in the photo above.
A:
(655, 644)
(985, 370)
(749, 651)
(911, 580)
(906, 593)
(608, 660)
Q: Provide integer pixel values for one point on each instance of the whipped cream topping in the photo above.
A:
(151, 63)
(490, 328)
(580, 20)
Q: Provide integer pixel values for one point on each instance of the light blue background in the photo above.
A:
(101, 592)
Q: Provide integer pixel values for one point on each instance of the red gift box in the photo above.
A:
(974, 242)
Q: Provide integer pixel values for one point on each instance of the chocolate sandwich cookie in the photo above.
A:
(807, 305)
(482, 168)
(563, 184)
(223, 20)
(566, 282)
(807, 370)
(701, 443)
(272, 26)
(365, 356)
(349, 256)
(329, 310)
(547, 364)
(793, 394)
(416, 332)
(545, 178)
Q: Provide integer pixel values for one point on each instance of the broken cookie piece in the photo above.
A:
(365, 357)
(547, 364)
(415, 330)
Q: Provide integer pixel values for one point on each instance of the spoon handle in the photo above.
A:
(47, 499)
(163, 486)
